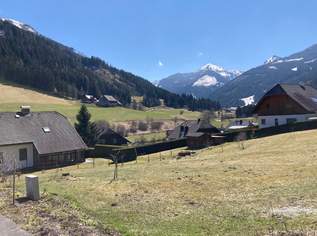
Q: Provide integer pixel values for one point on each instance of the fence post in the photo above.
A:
(13, 184)
(160, 156)
(148, 158)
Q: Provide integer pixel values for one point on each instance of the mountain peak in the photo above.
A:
(220, 70)
(272, 59)
(19, 25)
(212, 67)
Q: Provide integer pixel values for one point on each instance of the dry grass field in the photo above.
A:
(9, 94)
(268, 188)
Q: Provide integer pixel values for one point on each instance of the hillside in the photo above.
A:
(269, 188)
(30, 59)
(16, 94)
(200, 83)
(297, 68)
(12, 97)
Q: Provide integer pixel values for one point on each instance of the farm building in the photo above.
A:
(108, 101)
(190, 127)
(108, 136)
(38, 140)
(88, 99)
(197, 132)
(285, 104)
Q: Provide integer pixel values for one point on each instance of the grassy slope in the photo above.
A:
(11, 98)
(225, 193)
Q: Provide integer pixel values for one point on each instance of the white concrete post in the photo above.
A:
(32, 187)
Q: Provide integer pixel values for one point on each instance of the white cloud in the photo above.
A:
(160, 64)
(200, 54)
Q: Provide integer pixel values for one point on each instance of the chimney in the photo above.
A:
(25, 110)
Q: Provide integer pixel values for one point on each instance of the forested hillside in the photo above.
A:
(30, 59)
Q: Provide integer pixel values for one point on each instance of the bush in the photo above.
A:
(156, 125)
(143, 126)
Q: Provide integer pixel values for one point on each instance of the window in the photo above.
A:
(276, 121)
(291, 120)
(263, 121)
(46, 129)
(23, 154)
(1, 158)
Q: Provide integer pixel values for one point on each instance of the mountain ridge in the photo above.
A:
(200, 83)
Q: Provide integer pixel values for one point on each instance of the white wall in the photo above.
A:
(12, 151)
(282, 120)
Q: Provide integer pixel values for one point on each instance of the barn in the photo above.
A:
(285, 104)
(108, 136)
(38, 140)
(108, 101)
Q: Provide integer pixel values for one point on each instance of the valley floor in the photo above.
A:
(267, 188)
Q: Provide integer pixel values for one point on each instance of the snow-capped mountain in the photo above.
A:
(272, 59)
(297, 68)
(19, 25)
(200, 83)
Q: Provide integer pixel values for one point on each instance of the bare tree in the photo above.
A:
(120, 129)
(207, 116)
(133, 127)
(143, 126)
(156, 125)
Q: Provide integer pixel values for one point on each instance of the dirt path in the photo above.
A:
(9, 228)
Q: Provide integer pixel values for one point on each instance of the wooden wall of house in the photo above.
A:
(279, 105)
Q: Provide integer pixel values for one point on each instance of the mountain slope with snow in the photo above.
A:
(200, 83)
(19, 25)
(297, 68)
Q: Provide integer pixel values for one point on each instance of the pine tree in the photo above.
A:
(85, 127)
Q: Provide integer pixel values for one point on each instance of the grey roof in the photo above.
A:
(191, 127)
(29, 129)
(304, 95)
(110, 98)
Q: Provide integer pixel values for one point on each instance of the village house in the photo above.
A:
(38, 140)
(285, 104)
(108, 101)
(88, 99)
(197, 132)
(107, 136)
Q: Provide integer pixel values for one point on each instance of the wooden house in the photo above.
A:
(107, 136)
(108, 101)
(285, 104)
(38, 140)
(198, 133)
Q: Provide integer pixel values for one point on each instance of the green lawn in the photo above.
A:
(267, 188)
(109, 114)
(147, 137)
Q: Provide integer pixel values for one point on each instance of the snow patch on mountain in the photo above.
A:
(272, 59)
(273, 67)
(294, 59)
(310, 61)
(295, 69)
(206, 81)
(19, 25)
(248, 100)
(220, 70)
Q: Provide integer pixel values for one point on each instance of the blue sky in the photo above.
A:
(157, 38)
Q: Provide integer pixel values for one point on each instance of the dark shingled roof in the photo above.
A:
(190, 128)
(29, 129)
(304, 95)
